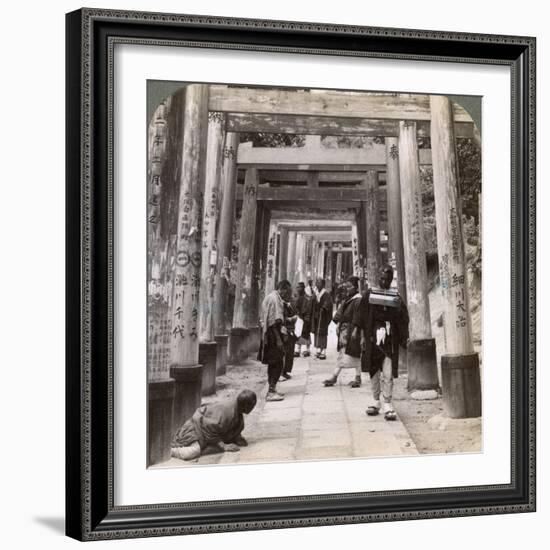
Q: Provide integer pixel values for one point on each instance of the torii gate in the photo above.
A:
(362, 168)
(213, 116)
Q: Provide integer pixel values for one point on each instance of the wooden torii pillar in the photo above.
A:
(361, 221)
(283, 253)
(373, 227)
(185, 367)
(460, 364)
(421, 356)
(255, 304)
(160, 386)
(270, 270)
(208, 347)
(291, 261)
(225, 231)
(395, 227)
(262, 256)
(243, 287)
(260, 247)
(395, 222)
(338, 274)
(314, 258)
(329, 278)
(308, 258)
(321, 261)
(300, 258)
(356, 265)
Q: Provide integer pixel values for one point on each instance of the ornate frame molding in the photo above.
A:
(91, 36)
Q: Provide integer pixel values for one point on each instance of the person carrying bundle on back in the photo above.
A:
(384, 320)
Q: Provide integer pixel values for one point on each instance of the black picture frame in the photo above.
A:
(90, 512)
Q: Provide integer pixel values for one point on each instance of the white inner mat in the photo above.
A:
(134, 484)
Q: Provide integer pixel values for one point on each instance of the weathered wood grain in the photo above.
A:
(324, 103)
(329, 126)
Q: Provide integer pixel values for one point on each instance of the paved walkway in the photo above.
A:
(315, 422)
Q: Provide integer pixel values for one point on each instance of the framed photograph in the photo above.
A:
(300, 274)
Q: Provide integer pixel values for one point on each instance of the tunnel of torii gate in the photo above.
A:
(305, 212)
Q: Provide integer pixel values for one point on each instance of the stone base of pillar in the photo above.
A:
(188, 392)
(160, 410)
(221, 359)
(253, 340)
(461, 385)
(422, 365)
(208, 352)
(238, 348)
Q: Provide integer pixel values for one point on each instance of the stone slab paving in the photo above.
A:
(314, 422)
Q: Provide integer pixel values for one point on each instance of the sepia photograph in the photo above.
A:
(314, 268)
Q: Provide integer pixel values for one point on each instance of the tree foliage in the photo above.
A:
(262, 139)
(469, 167)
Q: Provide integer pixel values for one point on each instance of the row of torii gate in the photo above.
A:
(302, 210)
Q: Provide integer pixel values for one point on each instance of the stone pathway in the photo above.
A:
(314, 422)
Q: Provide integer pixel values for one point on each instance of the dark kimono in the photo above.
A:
(395, 320)
(273, 315)
(346, 318)
(210, 424)
(304, 309)
(289, 340)
(322, 316)
(269, 352)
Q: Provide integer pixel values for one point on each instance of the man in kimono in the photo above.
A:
(322, 316)
(384, 320)
(216, 425)
(303, 305)
(274, 336)
(349, 334)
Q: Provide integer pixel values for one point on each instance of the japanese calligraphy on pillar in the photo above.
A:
(211, 214)
(372, 227)
(158, 339)
(270, 263)
(455, 234)
(188, 254)
(452, 264)
(159, 323)
(157, 149)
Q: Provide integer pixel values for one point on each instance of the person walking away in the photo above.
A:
(272, 347)
(384, 320)
(303, 304)
(322, 317)
(349, 334)
(216, 425)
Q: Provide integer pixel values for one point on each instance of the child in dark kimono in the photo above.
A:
(303, 304)
(290, 340)
(349, 337)
(322, 316)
